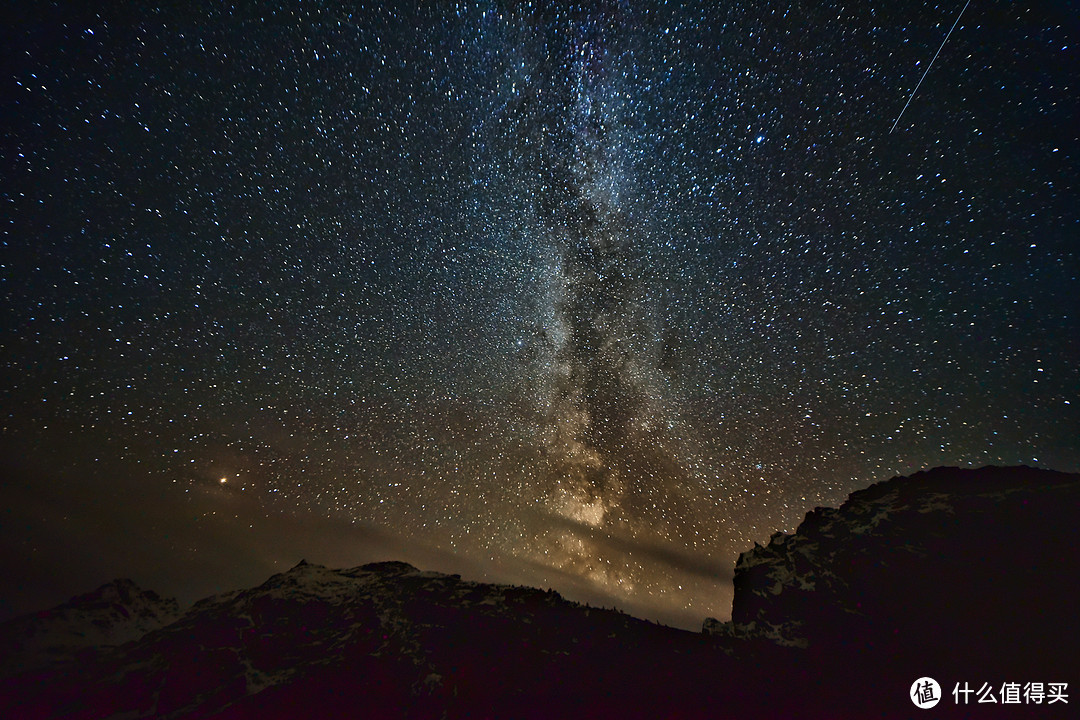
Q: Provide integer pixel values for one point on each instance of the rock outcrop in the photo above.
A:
(968, 571)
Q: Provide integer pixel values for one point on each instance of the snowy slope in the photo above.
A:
(113, 614)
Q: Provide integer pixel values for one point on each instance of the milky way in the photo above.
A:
(590, 297)
(610, 467)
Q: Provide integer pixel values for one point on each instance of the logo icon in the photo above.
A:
(925, 693)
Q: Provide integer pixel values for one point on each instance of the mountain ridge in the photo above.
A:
(900, 581)
(932, 511)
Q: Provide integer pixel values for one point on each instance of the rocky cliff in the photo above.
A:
(967, 571)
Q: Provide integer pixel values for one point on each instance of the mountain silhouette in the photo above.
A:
(960, 575)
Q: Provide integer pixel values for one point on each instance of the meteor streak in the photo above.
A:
(929, 66)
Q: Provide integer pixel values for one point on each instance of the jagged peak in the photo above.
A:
(119, 585)
(119, 590)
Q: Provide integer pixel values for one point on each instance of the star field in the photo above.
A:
(591, 297)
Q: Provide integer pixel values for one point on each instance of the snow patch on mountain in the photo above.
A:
(115, 613)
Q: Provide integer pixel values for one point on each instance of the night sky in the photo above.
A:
(585, 297)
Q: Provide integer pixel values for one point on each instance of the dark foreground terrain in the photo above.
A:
(966, 576)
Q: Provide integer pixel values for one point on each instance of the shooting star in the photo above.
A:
(927, 71)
